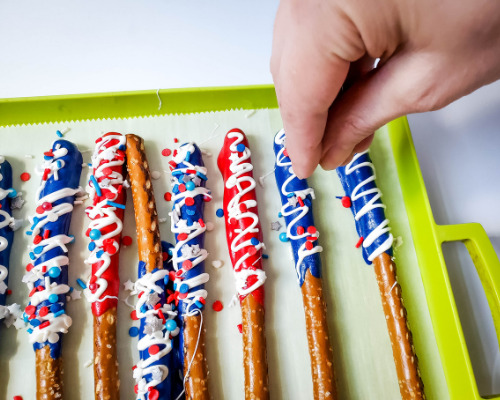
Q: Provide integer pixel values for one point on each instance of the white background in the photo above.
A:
(62, 47)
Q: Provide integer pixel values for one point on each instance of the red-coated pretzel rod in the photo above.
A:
(244, 238)
(106, 214)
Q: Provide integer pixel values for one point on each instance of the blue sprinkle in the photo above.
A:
(53, 298)
(36, 220)
(59, 164)
(55, 307)
(25, 318)
(30, 331)
(189, 221)
(219, 212)
(188, 155)
(184, 288)
(166, 279)
(61, 312)
(95, 234)
(202, 176)
(35, 322)
(54, 272)
(169, 251)
(91, 246)
(198, 304)
(283, 237)
(72, 237)
(96, 185)
(59, 133)
(47, 158)
(289, 195)
(171, 325)
(175, 286)
(113, 204)
(32, 256)
(280, 215)
(100, 253)
(176, 172)
(265, 256)
(175, 189)
(254, 241)
(122, 147)
(190, 185)
(142, 264)
(240, 148)
(38, 249)
(144, 309)
(81, 283)
(29, 233)
(134, 331)
(190, 211)
(12, 193)
(71, 289)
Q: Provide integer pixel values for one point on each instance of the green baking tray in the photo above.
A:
(428, 236)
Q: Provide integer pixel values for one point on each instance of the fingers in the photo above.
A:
(406, 83)
(307, 80)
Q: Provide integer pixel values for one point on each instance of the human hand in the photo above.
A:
(431, 53)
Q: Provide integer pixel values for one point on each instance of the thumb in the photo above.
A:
(406, 83)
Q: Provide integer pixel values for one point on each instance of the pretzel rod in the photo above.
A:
(244, 238)
(296, 198)
(363, 196)
(157, 323)
(6, 232)
(47, 273)
(188, 256)
(108, 196)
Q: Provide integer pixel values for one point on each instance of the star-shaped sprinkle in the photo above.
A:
(156, 374)
(128, 285)
(217, 264)
(19, 323)
(153, 325)
(276, 226)
(197, 181)
(152, 299)
(17, 202)
(76, 294)
(292, 201)
(3, 287)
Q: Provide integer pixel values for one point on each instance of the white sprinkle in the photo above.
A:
(210, 226)
(65, 130)
(156, 174)
(217, 263)
(162, 220)
(29, 156)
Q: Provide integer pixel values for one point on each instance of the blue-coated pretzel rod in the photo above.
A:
(296, 199)
(189, 177)
(47, 273)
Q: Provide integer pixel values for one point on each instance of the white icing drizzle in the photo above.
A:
(61, 322)
(383, 227)
(6, 220)
(238, 167)
(103, 215)
(179, 226)
(291, 207)
(157, 335)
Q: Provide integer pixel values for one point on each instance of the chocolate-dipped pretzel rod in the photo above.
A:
(358, 181)
(296, 198)
(108, 196)
(157, 324)
(6, 232)
(244, 238)
(47, 273)
(188, 180)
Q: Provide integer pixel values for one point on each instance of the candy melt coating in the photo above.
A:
(358, 181)
(296, 199)
(241, 226)
(6, 232)
(59, 187)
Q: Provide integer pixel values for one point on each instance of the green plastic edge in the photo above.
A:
(35, 110)
(428, 238)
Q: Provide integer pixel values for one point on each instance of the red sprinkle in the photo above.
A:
(187, 265)
(164, 256)
(160, 314)
(182, 187)
(18, 398)
(136, 387)
(217, 306)
(189, 201)
(346, 201)
(110, 249)
(9, 292)
(33, 291)
(44, 324)
(182, 236)
(40, 210)
(43, 311)
(47, 206)
(166, 152)
(243, 208)
(311, 230)
(29, 267)
(285, 152)
(133, 315)
(360, 241)
(37, 239)
(154, 349)
(301, 202)
(153, 393)
(46, 173)
(202, 224)
(167, 196)
(309, 245)
(30, 309)
(25, 176)
(46, 234)
(176, 140)
(300, 230)
(126, 240)
(240, 328)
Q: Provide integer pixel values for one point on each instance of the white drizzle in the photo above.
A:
(290, 208)
(383, 227)
(60, 323)
(178, 225)
(161, 337)
(238, 167)
(103, 215)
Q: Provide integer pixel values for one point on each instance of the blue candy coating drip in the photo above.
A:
(68, 177)
(284, 175)
(376, 216)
